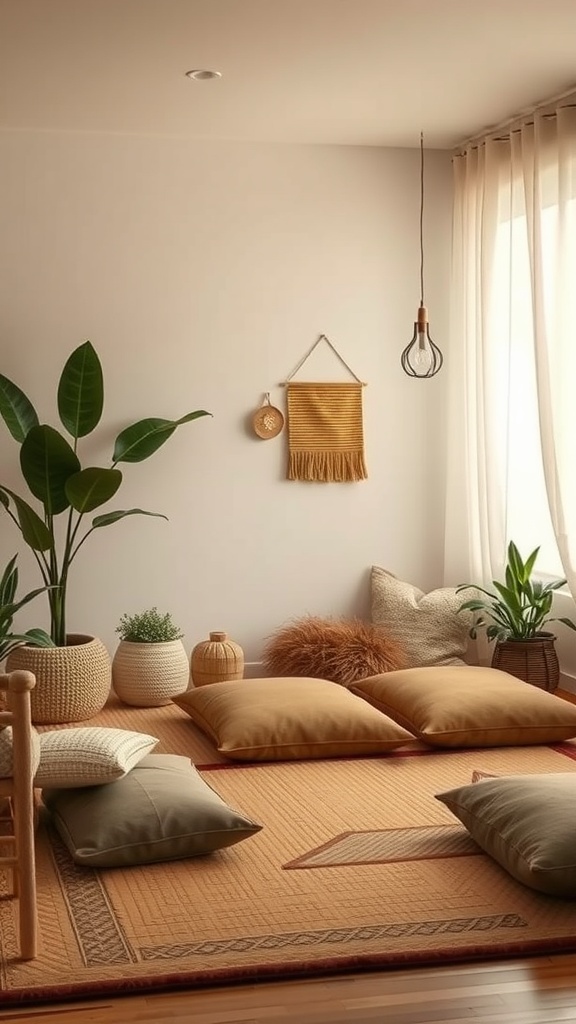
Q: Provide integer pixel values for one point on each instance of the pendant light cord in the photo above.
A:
(421, 218)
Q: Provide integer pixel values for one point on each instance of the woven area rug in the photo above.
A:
(243, 913)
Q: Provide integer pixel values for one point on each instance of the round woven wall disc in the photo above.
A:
(267, 421)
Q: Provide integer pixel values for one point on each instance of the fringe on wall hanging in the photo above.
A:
(325, 428)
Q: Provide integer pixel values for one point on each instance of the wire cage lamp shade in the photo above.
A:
(421, 357)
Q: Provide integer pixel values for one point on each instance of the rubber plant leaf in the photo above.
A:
(47, 461)
(34, 530)
(140, 440)
(16, 409)
(92, 487)
(113, 517)
(81, 391)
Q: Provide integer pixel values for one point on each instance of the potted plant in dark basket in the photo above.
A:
(515, 617)
(73, 678)
(150, 665)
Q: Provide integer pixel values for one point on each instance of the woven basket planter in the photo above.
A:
(535, 661)
(72, 682)
(216, 660)
(149, 675)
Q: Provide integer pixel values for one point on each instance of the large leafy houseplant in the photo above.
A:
(52, 470)
(520, 608)
(9, 605)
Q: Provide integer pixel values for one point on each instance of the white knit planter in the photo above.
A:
(149, 675)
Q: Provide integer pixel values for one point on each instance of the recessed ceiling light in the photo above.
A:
(201, 75)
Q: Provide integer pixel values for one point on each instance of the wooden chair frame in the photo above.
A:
(18, 791)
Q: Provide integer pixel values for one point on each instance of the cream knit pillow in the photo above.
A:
(429, 627)
(89, 756)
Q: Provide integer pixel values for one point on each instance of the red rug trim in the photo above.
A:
(564, 748)
(272, 972)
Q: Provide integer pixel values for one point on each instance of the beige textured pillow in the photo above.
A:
(527, 823)
(469, 706)
(428, 627)
(287, 719)
(89, 756)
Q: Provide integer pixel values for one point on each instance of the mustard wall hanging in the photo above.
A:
(325, 427)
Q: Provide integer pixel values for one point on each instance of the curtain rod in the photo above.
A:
(510, 124)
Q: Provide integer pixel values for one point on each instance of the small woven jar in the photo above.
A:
(216, 660)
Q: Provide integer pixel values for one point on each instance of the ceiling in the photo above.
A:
(350, 72)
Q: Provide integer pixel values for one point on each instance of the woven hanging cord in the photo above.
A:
(325, 432)
(321, 337)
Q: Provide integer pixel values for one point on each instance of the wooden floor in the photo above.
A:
(537, 991)
(540, 990)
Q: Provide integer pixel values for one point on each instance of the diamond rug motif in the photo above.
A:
(387, 846)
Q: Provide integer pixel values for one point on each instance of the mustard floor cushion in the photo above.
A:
(289, 718)
(469, 706)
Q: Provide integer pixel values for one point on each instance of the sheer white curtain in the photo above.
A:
(512, 367)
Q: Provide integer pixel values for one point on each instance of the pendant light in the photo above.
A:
(421, 358)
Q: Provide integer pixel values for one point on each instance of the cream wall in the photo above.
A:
(202, 273)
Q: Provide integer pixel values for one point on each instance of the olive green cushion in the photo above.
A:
(525, 822)
(162, 810)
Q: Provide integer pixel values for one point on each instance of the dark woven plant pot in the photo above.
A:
(535, 661)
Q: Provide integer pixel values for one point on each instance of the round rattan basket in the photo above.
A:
(535, 661)
(72, 682)
(149, 675)
(216, 660)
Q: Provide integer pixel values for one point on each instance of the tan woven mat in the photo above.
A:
(240, 914)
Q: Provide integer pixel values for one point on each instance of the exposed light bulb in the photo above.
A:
(421, 358)
(423, 352)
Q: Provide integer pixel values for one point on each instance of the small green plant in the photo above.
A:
(9, 605)
(521, 606)
(149, 627)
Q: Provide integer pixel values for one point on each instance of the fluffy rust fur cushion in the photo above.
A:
(343, 650)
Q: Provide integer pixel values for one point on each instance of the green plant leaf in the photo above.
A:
(567, 622)
(38, 638)
(34, 637)
(140, 440)
(92, 487)
(530, 562)
(81, 392)
(16, 410)
(47, 461)
(515, 562)
(29, 597)
(34, 530)
(509, 598)
(555, 585)
(8, 583)
(112, 517)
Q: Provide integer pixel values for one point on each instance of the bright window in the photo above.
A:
(528, 520)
